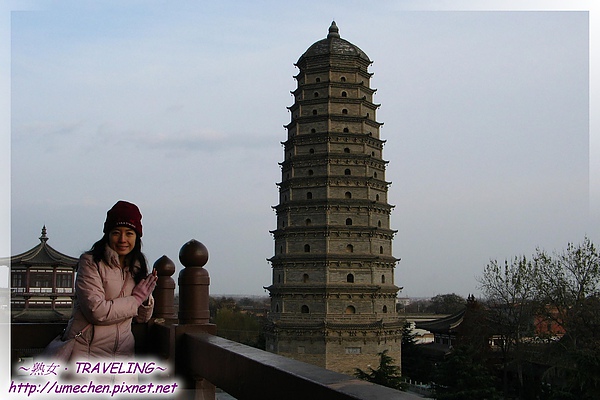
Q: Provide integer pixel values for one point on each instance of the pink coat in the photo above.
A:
(104, 299)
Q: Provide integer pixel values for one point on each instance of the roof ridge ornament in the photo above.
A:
(334, 31)
(44, 238)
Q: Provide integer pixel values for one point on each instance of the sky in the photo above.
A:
(179, 107)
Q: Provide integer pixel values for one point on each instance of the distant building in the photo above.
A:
(549, 325)
(444, 330)
(469, 325)
(333, 296)
(41, 283)
(401, 303)
(474, 325)
(421, 336)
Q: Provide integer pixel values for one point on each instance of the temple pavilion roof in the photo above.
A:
(42, 254)
(443, 325)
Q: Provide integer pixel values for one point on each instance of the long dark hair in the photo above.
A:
(98, 248)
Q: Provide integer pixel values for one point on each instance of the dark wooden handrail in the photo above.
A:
(249, 373)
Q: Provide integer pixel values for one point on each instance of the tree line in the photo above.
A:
(240, 320)
(439, 304)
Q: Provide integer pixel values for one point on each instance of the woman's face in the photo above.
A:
(122, 240)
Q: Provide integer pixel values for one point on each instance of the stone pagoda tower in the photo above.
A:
(333, 294)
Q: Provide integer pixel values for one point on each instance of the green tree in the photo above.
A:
(462, 376)
(237, 326)
(215, 304)
(565, 283)
(417, 306)
(386, 374)
(569, 287)
(446, 304)
(552, 296)
(414, 364)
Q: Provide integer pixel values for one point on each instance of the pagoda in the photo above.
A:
(333, 296)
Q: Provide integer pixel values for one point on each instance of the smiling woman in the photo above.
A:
(112, 287)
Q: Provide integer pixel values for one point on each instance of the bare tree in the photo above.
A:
(560, 294)
(509, 290)
(565, 283)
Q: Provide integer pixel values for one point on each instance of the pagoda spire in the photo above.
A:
(334, 31)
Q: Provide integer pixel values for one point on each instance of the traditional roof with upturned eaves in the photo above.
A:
(445, 325)
(42, 254)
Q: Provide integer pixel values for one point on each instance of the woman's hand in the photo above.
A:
(142, 290)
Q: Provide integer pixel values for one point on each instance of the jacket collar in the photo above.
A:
(112, 259)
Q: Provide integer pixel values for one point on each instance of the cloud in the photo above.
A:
(198, 140)
(42, 129)
(189, 140)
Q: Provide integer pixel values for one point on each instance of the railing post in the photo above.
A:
(194, 284)
(194, 315)
(164, 293)
(160, 338)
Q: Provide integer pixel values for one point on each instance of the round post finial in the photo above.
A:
(193, 253)
(164, 293)
(194, 284)
(164, 266)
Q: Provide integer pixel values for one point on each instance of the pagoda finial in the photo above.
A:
(334, 31)
(44, 238)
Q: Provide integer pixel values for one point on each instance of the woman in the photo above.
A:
(112, 288)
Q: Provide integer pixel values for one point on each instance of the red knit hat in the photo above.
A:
(124, 214)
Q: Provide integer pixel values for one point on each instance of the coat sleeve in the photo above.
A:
(92, 297)
(145, 311)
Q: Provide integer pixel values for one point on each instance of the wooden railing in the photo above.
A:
(200, 361)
